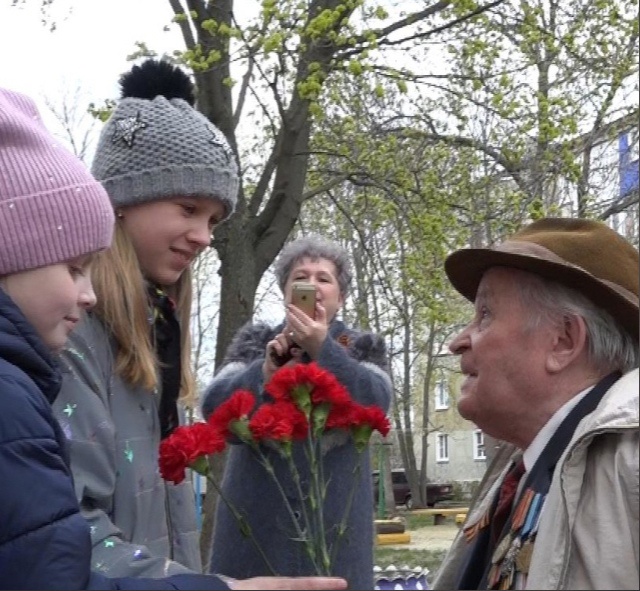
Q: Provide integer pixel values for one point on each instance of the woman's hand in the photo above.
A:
(279, 352)
(310, 334)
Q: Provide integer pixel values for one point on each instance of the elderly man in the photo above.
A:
(550, 364)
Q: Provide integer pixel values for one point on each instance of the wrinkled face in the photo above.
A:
(52, 298)
(323, 274)
(167, 235)
(502, 358)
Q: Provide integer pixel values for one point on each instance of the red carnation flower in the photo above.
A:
(374, 417)
(281, 384)
(184, 446)
(365, 420)
(327, 388)
(281, 421)
(306, 383)
(356, 415)
(236, 408)
(341, 416)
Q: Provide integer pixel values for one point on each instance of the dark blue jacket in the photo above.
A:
(44, 540)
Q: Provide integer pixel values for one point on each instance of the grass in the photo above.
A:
(416, 521)
(430, 559)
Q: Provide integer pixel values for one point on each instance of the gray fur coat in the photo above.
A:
(359, 361)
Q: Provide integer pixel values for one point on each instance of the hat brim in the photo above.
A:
(466, 267)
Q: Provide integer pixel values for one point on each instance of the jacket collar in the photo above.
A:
(21, 346)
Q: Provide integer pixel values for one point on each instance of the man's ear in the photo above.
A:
(569, 342)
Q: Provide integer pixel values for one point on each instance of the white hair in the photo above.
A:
(610, 346)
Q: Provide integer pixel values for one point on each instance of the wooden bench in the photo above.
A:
(389, 526)
(385, 539)
(391, 531)
(440, 515)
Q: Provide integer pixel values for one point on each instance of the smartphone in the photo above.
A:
(303, 296)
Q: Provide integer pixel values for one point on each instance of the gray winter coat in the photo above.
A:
(360, 363)
(140, 525)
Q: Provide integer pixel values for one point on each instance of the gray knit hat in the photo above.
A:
(156, 145)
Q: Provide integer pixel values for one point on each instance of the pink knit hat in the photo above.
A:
(51, 208)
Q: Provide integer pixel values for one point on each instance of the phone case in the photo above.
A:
(303, 296)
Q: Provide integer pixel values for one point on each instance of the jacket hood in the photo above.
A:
(21, 346)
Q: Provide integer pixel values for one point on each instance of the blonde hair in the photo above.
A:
(123, 307)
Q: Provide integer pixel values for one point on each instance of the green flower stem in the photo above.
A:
(302, 536)
(312, 499)
(319, 493)
(342, 528)
(243, 524)
(296, 479)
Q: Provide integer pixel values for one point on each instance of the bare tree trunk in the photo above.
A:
(426, 399)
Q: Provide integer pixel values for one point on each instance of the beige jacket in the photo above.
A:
(588, 534)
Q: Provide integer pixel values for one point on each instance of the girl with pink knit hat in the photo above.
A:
(54, 216)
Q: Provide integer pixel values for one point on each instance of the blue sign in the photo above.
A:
(629, 169)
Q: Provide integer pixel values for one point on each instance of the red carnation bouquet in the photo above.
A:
(308, 403)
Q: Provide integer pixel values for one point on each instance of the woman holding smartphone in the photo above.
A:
(359, 360)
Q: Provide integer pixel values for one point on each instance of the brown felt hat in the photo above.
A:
(586, 255)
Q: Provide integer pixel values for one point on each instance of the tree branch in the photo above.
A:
(326, 187)
(620, 206)
(383, 34)
(183, 23)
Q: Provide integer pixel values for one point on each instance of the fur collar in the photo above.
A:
(250, 341)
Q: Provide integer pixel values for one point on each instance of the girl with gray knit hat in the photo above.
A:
(54, 218)
(172, 177)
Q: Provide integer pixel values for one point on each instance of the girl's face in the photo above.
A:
(52, 298)
(167, 235)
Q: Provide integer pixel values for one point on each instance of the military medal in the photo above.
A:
(508, 564)
(511, 558)
(531, 518)
(523, 560)
(501, 549)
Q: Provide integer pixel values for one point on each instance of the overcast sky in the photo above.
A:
(86, 52)
(88, 47)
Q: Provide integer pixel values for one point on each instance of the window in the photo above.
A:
(479, 452)
(398, 477)
(442, 448)
(442, 395)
